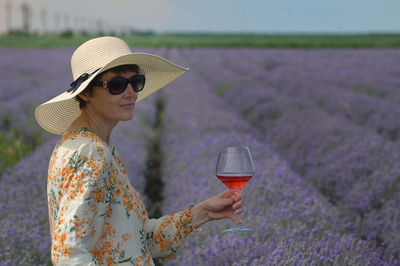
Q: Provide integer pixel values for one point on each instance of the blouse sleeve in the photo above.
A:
(166, 234)
(82, 207)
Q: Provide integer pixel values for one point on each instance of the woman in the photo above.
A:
(96, 216)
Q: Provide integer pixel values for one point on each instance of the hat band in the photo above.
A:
(75, 85)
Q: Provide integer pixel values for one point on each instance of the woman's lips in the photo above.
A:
(129, 105)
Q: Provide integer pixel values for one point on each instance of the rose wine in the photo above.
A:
(234, 181)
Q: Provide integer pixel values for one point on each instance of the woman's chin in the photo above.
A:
(128, 117)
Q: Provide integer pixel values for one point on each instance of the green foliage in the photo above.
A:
(67, 34)
(223, 88)
(13, 147)
(15, 143)
(251, 116)
(274, 114)
(143, 39)
(370, 91)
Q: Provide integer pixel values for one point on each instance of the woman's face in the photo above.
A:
(113, 108)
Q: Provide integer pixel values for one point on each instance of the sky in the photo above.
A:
(243, 16)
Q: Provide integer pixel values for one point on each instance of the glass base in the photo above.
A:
(237, 229)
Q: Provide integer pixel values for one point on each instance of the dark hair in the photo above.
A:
(116, 70)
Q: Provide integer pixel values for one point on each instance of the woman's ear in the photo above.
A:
(84, 96)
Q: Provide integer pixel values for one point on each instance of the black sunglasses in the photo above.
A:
(118, 85)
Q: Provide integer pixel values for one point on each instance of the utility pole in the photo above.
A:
(8, 17)
(66, 22)
(99, 26)
(57, 23)
(26, 17)
(43, 16)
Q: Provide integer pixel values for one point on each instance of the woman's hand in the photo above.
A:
(224, 205)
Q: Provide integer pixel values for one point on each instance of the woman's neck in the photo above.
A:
(89, 120)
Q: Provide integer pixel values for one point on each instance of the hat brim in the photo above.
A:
(57, 114)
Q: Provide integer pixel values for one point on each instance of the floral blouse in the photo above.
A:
(96, 216)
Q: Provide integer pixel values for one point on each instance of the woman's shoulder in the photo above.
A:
(83, 141)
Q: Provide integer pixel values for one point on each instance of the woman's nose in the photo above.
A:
(130, 92)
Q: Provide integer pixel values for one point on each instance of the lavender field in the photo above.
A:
(322, 124)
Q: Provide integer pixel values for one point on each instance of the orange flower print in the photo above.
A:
(126, 236)
(63, 237)
(109, 211)
(167, 221)
(97, 195)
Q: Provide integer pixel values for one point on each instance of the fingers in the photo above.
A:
(239, 211)
(238, 195)
(225, 202)
(231, 193)
(237, 205)
(235, 194)
(236, 219)
(226, 194)
(234, 202)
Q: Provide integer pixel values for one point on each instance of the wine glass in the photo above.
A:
(234, 169)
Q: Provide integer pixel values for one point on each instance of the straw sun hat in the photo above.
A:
(92, 58)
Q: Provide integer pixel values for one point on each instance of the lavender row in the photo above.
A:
(293, 223)
(351, 165)
(372, 72)
(342, 82)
